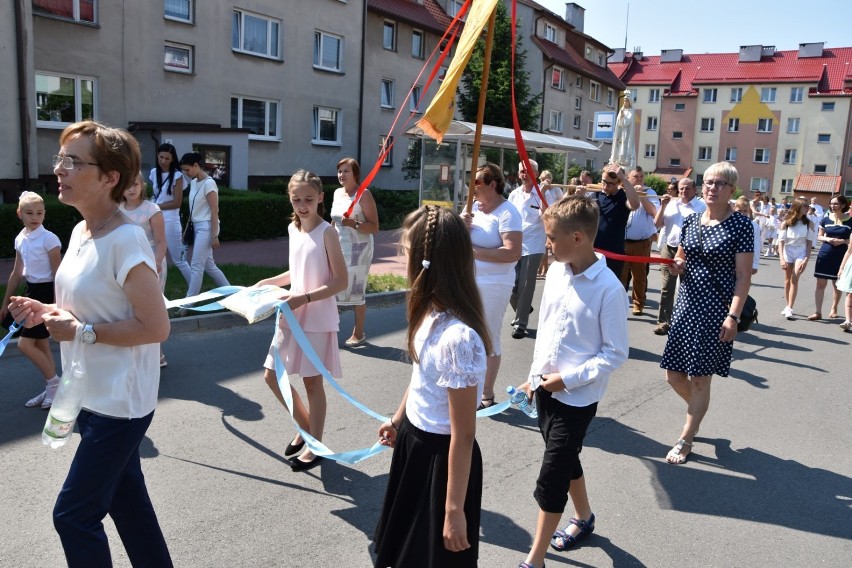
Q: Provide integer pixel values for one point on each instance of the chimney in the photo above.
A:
(617, 55)
(750, 53)
(810, 49)
(671, 55)
(575, 15)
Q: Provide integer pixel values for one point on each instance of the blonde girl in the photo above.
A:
(796, 238)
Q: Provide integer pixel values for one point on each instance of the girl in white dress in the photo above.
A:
(796, 238)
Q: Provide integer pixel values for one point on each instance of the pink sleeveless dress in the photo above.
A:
(309, 269)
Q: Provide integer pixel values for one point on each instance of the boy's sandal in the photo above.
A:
(569, 540)
(815, 316)
(676, 455)
(486, 402)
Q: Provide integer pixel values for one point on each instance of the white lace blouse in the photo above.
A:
(452, 356)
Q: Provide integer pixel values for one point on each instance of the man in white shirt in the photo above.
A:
(638, 236)
(818, 209)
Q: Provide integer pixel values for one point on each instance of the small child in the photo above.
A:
(37, 256)
(552, 194)
(581, 340)
(317, 272)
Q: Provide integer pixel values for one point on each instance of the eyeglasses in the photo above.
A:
(69, 163)
(718, 184)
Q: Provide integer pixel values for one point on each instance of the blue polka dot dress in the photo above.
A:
(693, 345)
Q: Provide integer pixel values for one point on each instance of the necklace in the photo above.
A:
(92, 233)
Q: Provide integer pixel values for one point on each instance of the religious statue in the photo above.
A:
(623, 139)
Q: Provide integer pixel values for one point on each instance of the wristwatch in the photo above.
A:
(357, 224)
(733, 317)
(88, 336)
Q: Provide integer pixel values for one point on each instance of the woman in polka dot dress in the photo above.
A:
(715, 258)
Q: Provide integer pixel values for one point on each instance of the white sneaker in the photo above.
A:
(36, 400)
(49, 393)
(788, 313)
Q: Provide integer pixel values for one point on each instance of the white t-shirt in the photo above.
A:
(122, 382)
(674, 215)
(528, 205)
(797, 235)
(640, 224)
(198, 199)
(486, 231)
(159, 196)
(34, 246)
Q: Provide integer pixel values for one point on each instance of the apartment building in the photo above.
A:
(781, 117)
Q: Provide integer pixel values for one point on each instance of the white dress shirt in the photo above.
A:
(528, 205)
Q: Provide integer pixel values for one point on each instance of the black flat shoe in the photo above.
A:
(293, 449)
(299, 465)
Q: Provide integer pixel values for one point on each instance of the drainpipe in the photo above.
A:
(361, 86)
(23, 103)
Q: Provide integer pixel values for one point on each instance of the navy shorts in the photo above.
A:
(563, 428)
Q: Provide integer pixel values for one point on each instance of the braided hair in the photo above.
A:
(441, 272)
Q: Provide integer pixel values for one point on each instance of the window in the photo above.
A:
(786, 186)
(847, 189)
(823, 138)
(796, 94)
(654, 96)
(578, 103)
(759, 184)
(590, 129)
(736, 94)
(326, 127)
(610, 98)
(258, 115)
(731, 154)
(178, 10)
(767, 94)
(792, 125)
(635, 95)
(595, 91)
(677, 135)
(578, 82)
(414, 101)
(674, 162)
(590, 163)
(650, 150)
(178, 58)
(709, 95)
(680, 107)
(577, 121)
(77, 10)
(255, 34)
(790, 156)
(61, 100)
(454, 7)
(387, 93)
(417, 44)
(652, 123)
(761, 155)
(557, 78)
(708, 124)
(556, 122)
(820, 168)
(549, 32)
(388, 160)
(705, 153)
(733, 125)
(389, 35)
(328, 52)
(764, 125)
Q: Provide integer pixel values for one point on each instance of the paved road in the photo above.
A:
(768, 484)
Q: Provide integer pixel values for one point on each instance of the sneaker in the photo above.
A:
(846, 326)
(788, 313)
(49, 393)
(36, 400)
(637, 311)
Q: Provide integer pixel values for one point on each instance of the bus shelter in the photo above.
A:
(445, 167)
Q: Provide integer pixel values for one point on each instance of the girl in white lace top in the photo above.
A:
(436, 461)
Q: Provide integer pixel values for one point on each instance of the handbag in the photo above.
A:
(188, 236)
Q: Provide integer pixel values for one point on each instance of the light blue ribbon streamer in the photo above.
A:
(5, 341)
(209, 295)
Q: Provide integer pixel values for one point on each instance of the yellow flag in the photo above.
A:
(440, 113)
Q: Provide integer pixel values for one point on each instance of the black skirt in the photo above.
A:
(43, 292)
(411, 525)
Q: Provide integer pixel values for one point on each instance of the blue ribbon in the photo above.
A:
(12, 330)
(209, 295)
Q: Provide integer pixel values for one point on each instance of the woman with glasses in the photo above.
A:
(796, 239)
(495, 230)
(715, 260)
(110, 310)
(834, 232)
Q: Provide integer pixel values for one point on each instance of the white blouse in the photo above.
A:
(452, 356)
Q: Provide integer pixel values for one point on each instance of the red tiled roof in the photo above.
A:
(831, 72)
(572, 60)
(817, 183)
(679, 172)
(429, 15)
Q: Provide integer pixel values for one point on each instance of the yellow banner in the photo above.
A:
(440, 113)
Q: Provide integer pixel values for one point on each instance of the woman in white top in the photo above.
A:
(107, 299)
(168, 183)
(204, 212)
(431, 512)
(796, 238)
(495, 230)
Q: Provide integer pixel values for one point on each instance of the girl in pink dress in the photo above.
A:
(317, 271)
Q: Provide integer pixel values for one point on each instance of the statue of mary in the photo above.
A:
(623, 138)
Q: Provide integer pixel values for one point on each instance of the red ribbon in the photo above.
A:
(637, 259)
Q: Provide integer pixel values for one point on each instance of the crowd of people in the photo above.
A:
(106, 296)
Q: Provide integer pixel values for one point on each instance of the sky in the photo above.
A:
(718, 26)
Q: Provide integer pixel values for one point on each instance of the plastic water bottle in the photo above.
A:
(519, 399)
(67, 403)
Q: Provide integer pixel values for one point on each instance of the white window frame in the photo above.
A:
(820, 169)
(764, 125)
(793, 125)
(268, 104)
(576, 121)
(708, 124)
(190, 4)
(827, 106)
(316, 131)
(610, 98)
(787, 185)
(797, 94)
(654, 95)
(549, 32)
(652, 124)
(590, 164)
(595, 91)
(635, 95)
(578, 103)
(768, 94)
(759, 184)
(273, 27)
(178, 68)
(847, 189)
(590, 130)
(421, 54)
(557, 78)
(674, 162)
(388, 160)
(650, 150)
(710, 95)
(733, 125)
(453, 7)
(578, 82)
(78, 101)
(790, 156)
(75, 13)
(679, 107)
(556, 123)
(414, 100)
(705, 153)
(320, 47)
(731, 154)
(823, 138)
(677, 135)
(736, 94)
(761, 156)
(386, 93)
(389, 25)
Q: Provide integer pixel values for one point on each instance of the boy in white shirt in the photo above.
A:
(37, 256)
(581, 340)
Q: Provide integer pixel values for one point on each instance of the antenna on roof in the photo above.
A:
(626, 24)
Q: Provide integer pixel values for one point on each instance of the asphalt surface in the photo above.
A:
(768, 483)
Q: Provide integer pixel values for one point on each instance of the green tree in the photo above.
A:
(499, 97)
